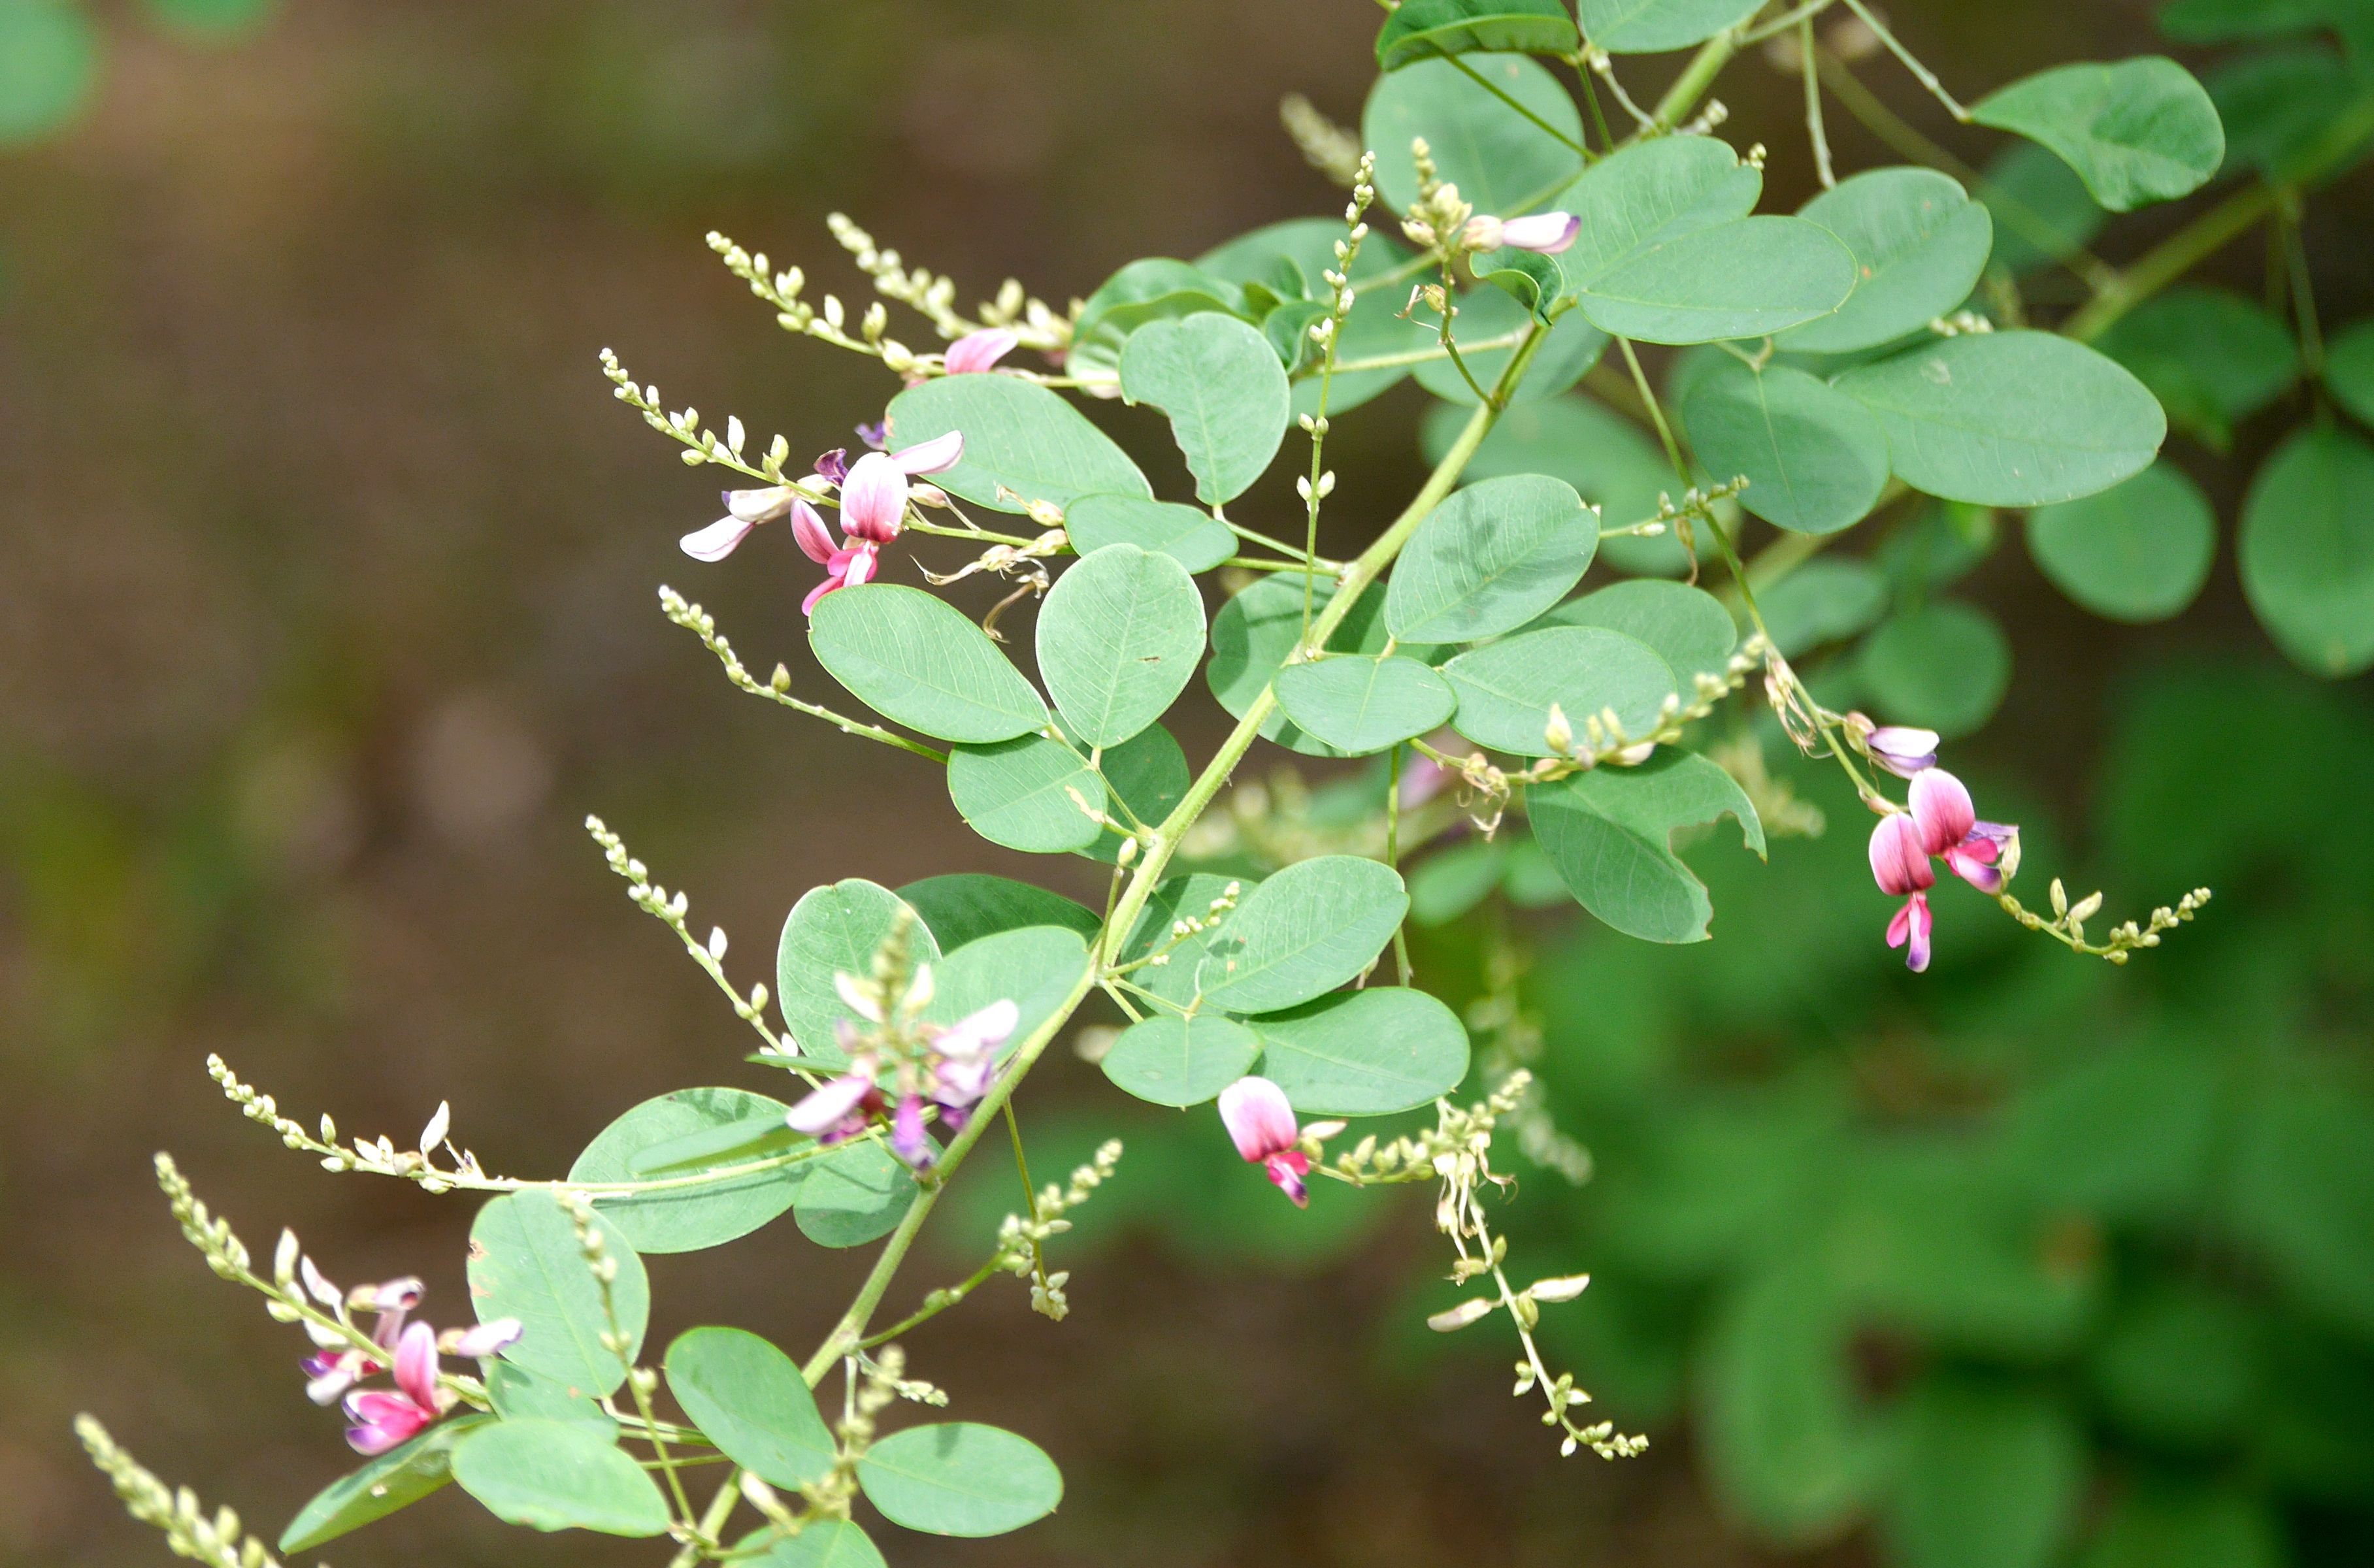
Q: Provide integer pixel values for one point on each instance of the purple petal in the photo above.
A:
(1898, 861)
(873, 499)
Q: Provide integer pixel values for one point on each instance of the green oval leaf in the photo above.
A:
(1178, 978)
(1489, 315)
(748, 1399)
(1373, 330)
(1303, 933)
(1815, 459)
(1448, 884)
(856, 1194)
(1651, 27)
(1610, 833)
(2307, 551)
(1254, 633)
(960, 1478)
(1180, 1061)
(1195, 540)
(1021, 793)
(550, 1475)
(1368, 1052)
(397, 1479)
(1499, 158)
(525, 1263)
(965, 905)
(2137, 552)
(1641, 195)
(1611, 461)
(833, 929)
(1750, 277)
(1506, 689)
(1945, 667)
(1688, 627)
(1918, 244)
(1360, 704)
(1226, 393)
(1155, 289)
(713, 1214)
(2211, 357)
(1822, 601)
(821, 1543)
(1424, 28)
(2137, 132)
(2010, 418)
(920, 662)
(1488, 559)
(1118, 640)
(1022, 443)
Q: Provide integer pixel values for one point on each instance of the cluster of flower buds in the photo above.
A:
(944, 1067)
(385, 1418)
(1939, 823)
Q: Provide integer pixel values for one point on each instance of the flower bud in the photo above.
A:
(1565, 1287)
(1474, 1309)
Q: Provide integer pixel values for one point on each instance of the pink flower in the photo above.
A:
(839, 1108)
(1547, 233)
(481, 1340)
(1261, 1122)
(873, 496)
(979, 351)
(745, 509)
(383, 1421)
(1901, 750)
(1901, 866)
(1950, 828)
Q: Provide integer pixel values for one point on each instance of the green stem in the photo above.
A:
(1697, 78)
(1922, 73)
(2170, 260)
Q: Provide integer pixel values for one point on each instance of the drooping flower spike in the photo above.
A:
(1547, 233)
(1261, 1123)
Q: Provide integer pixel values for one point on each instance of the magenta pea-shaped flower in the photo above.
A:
(1261, 1125)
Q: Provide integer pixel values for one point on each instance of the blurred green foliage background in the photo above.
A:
(325, 576)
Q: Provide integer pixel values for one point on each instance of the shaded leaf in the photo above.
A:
(1945, 667)
(1609, 832)
(1918, 244)
(2307, 551)
(2137, 132)
(1368, 1052)
(834, 929)
(1018, 437)
(397, 1479)
(1815, 459)
(1361, 704)
(2139, 551)
(1490, 558)
(550, 1475)
(1302, 933)
(1118, 637)
(960, 1478)
(1180, 1061)
(959, 907)
(748, 1399)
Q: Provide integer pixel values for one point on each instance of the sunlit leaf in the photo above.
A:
(1195, 539)
(834, 929)
(1918, 244)
(1361, 704)
(710, 1214)
(1500, 159)
(1945, 667)
(748, 1399)
(1421, 30)
(1180, 1061)
(527, 1262)
(550, 1475)
(918, 661)
(1507, 688)
(959, 1479)
(1303, 933)
(1119, 636)
(1022, 443)
(1369, 1052)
